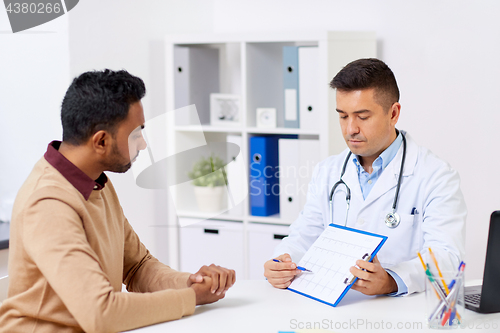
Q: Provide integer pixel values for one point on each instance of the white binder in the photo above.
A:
(181, 79)
(291, 86)
(237, 178)
(309, 85)
(297, 159)
(196, 76)
(309, 157)
(289, 180)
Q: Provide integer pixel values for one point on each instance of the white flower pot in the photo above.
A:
(210, 199)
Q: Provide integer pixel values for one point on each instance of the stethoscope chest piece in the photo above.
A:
(392, 220)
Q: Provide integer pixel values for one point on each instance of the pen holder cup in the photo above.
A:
(445, 307)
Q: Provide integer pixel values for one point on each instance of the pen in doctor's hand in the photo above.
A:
(298, 267)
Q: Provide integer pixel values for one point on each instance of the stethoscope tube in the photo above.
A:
(348, 191)
(392, 219)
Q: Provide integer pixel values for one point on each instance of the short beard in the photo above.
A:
(119, 168)
(114, 165)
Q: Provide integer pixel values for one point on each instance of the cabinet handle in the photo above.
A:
(212, 231)
(276, 236)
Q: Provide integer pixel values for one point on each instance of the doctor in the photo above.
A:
(429, 202)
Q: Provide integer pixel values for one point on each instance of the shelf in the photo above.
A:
(250, 130)
(208, 128)
(274, 219)
(268, 37)
(280, 130)
(215, 215)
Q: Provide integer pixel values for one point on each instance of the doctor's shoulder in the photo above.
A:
(432, 165)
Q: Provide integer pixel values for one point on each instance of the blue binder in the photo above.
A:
(264, 181)
(291, 86)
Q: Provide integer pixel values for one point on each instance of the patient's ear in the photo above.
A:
(101, 142)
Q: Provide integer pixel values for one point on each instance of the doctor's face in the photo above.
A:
(367, 128)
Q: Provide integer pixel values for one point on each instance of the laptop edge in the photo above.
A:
(490, 289)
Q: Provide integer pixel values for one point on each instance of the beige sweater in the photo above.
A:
(69, 257)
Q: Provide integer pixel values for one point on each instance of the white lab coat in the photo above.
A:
(429, 185)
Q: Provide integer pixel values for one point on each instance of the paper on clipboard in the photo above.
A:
(329, 259)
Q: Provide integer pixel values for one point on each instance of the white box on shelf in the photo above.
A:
(266, 118)
(225, 110)
(262, 239)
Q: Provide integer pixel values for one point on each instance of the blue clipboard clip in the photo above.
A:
(366, 257)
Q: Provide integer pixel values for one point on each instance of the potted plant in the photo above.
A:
(209, 180)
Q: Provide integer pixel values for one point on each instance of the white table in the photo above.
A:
(255, 306)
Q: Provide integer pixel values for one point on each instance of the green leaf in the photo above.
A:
(208, 172)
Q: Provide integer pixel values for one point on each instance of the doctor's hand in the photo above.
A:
(374, 280)
(221, 278)
(280, 274)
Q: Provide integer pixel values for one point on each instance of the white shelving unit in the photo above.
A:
(251, 66)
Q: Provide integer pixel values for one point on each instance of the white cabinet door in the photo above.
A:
(262, 239)
(203, 242)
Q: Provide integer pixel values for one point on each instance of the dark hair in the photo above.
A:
(98, 100)
(365, 74)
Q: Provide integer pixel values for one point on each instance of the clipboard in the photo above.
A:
(329, 258)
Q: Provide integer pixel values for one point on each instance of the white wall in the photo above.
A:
(34, 75)
(444, 55)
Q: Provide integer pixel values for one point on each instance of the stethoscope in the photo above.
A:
(392, 219)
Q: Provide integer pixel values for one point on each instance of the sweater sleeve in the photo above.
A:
(144, 273)
(55, 240)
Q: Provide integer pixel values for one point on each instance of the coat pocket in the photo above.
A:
(402, 241)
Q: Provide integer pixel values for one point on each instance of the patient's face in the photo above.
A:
(128, 140)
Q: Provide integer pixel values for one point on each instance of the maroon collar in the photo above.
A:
(83, 183)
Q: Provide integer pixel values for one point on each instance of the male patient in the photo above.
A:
(71, 247)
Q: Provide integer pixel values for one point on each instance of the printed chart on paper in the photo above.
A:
(330, 258)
